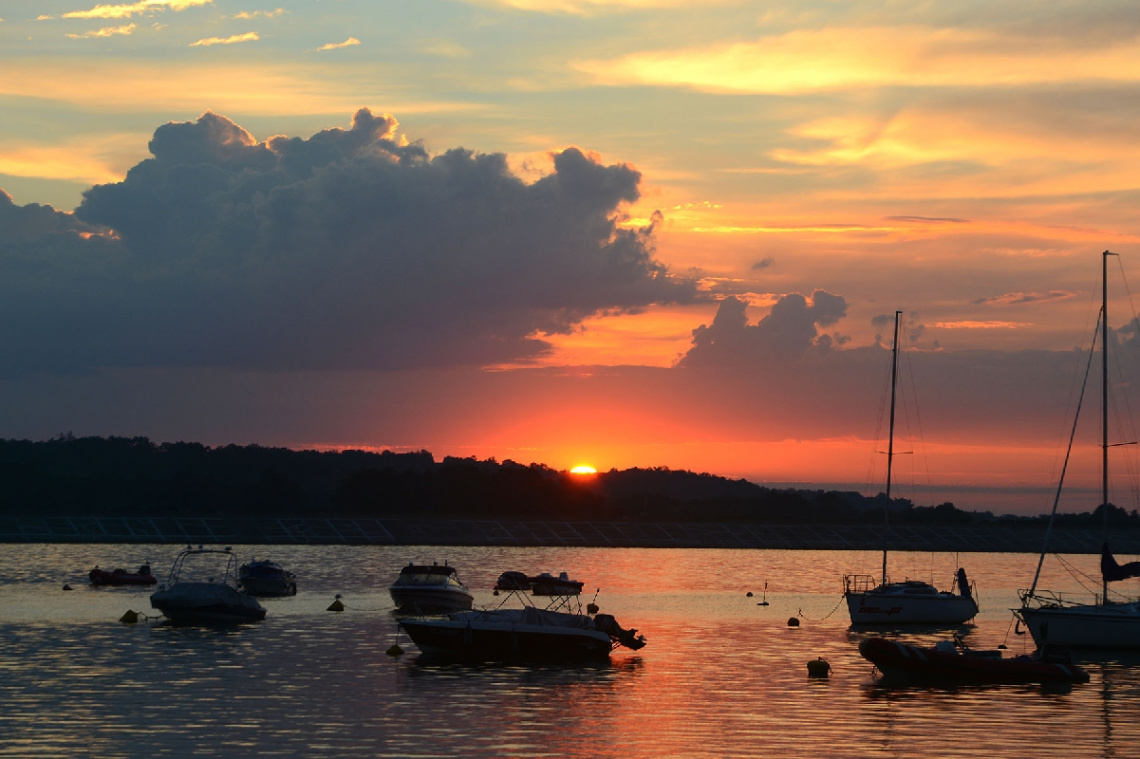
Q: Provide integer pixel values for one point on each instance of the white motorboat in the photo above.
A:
(202, 588)
(267, 578)
(878, 601)
(426, 589)
(1099, 622)
(559, 632)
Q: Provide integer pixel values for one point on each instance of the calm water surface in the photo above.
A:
(722, 676)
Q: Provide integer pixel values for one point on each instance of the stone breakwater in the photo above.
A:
(492, 532)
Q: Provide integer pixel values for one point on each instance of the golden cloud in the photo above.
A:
(126, 10)
(839, 59)
(338, 45)
(231, 40)
(107, 31)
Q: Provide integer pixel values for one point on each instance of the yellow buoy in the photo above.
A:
(818, 667)
(336, 605)
(130, 618)
(395, 650)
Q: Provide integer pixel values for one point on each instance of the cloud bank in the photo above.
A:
(347, 250)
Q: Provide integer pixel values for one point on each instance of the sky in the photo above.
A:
(623, 233)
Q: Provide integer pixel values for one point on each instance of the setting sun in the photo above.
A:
(583, 469)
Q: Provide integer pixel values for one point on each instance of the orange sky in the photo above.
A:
(623, 233)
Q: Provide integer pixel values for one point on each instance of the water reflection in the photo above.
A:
(720, 677)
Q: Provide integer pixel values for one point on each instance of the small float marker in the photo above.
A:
(336, 605)
(818, 667)
(130, 618)
(395, 650)
(793, 622)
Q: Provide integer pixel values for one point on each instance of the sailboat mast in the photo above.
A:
(890, 443)
(1104, 401)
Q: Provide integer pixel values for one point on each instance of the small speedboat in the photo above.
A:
(953, 662)
(548, 585)
(203, 589)
(122, 577)
(267, 578)
(560, 632)
(430, 589)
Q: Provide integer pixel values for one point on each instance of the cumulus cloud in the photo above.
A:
(351, 249)
(790, 329)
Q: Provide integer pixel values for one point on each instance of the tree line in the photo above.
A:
(133, 477)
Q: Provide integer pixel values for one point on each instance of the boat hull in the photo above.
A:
(900, 661)
(206, 603)
(475, 641)
(871, 608)
(433, 600)
(1113, 626)
(120, 578)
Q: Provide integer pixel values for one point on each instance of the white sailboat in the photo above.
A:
(1101, 623)
(872, 601)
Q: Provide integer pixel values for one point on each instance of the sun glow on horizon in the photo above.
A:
(583, 469)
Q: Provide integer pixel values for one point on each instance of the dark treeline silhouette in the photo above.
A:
(134, 477)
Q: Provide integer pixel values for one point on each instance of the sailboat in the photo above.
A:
(911, 602)
(1049, 616)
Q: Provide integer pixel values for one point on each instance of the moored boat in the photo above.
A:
(879, 601)
(202, 589)
(118, 577)
(1100, 621)
(267, 578)
(548, 585)
(952, 662)
(522, 634)
(428, 589)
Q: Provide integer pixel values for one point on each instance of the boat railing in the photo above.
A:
(1053, 599)
(860, 583)
(212, 569)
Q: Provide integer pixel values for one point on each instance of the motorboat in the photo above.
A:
(267, 578)
(879, 601)
(560, 632)
(952, 662)
(425, 589)
(1100, 621)
(118, 577)
(203, 588)
(548, 585)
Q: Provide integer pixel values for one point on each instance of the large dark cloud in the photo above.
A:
(347, 250)
(789, 330)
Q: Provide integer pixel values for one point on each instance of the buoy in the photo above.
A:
(793, 622)
(336, 605)
(130, 618)
(67, 587)
(395, 650)
(591, 608)
(818, 667)
(748, 594)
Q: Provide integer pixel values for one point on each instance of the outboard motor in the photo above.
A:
(628, 638)
(963, 584)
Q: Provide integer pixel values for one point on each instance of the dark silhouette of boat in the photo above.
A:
(952, 662)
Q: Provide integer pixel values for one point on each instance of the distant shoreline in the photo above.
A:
(499, 532)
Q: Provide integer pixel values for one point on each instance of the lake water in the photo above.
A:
(722, 676)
